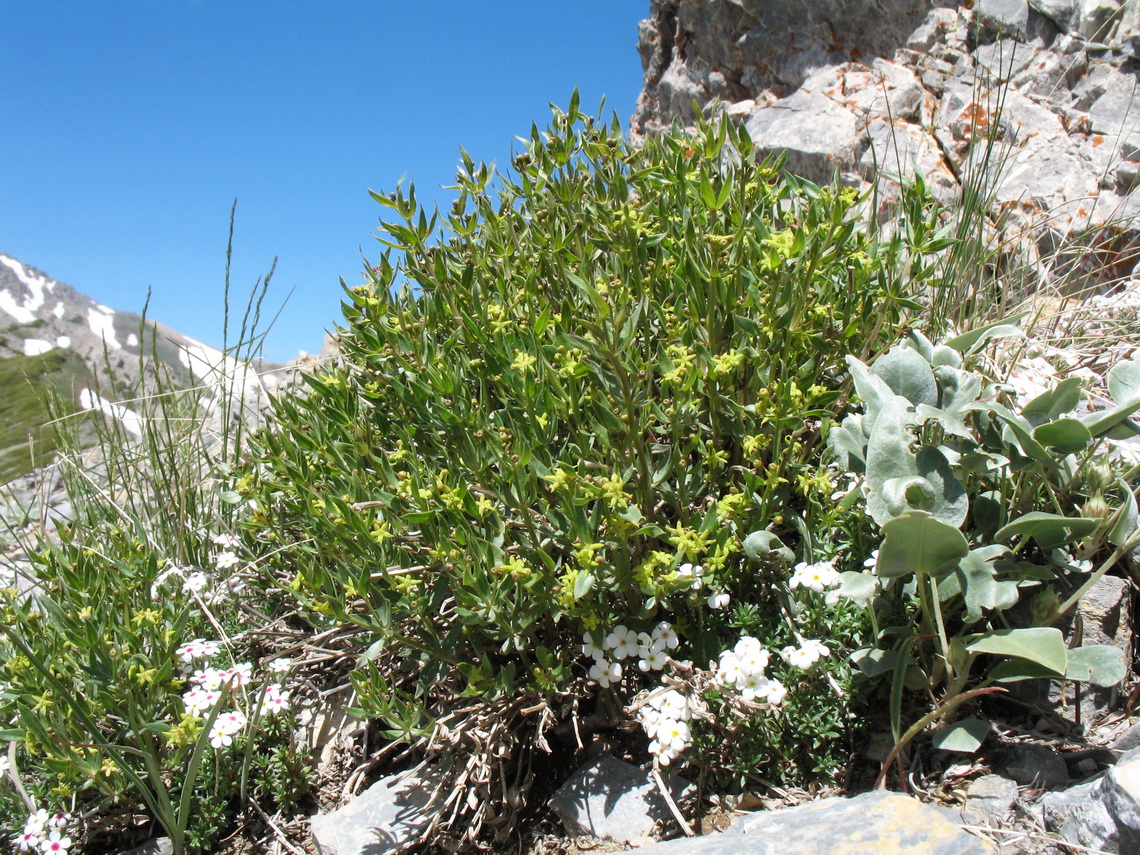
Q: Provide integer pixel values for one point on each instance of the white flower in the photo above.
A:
(195, 582)
(55, 842)
(807, 654)
(4, 765)
(776, 692)
(227, 540)
(236, 676)
(36, 822)
(752, 685)
(753, 661)
(873, 560)
(280, 666)
(691, 573)
(653, 658)
(208, 678)
(605, 672)
(231, 722)
(197, 649)
(719, 601)
(590, 648)
(729, 672)
(59, 819)
(220, 737)
(29, 840)
(622, 642)
(817, 577)
(673, 704)
(226, 560)
(198, 700)
(665, 632)
(276, 700)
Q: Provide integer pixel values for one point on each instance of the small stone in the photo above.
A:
(154, 846)
(1036, 766)
(614, 800)
(384, 818)
(989, 799)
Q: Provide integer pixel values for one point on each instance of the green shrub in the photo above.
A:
(609, 365)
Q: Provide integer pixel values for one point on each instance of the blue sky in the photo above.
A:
(130, 126)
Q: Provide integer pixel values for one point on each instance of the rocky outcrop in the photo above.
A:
(1039, 97)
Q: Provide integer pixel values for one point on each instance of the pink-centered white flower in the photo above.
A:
(199, 701)
(276, 700)
(56, 842)
(197, 649)
(228, 541)
(237, 675)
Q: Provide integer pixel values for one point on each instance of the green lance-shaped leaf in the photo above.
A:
(1049, 530)
(1124, 381)
(1101, 664)
(1102, 422)
(966, 735)
(907, 374)
(1062, 398)
(1044, 645)
(1067, 436)
(1126, 524)
(918, 542)
(975, 340)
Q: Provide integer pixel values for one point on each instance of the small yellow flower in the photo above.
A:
(523, 362)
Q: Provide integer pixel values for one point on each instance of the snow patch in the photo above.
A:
(24, 312)
(129, 418)
(132, 340)
(212, 366)
(63, 341)
(35, 346)
(58, 310)
(102, 323)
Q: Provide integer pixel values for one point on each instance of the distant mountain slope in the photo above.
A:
(56, 343)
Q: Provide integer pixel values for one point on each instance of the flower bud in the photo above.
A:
(1096, 508)
(1097, 476)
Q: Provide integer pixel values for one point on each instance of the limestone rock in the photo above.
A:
(386, 817)
(877, 822)
(613, 800)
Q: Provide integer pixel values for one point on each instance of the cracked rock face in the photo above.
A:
(862, 87)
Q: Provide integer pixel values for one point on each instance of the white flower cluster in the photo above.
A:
(44, 832)
(742, 668)
(651, 650)
(817, 577)
(208, 684)
(665, 718)
(807, 654)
